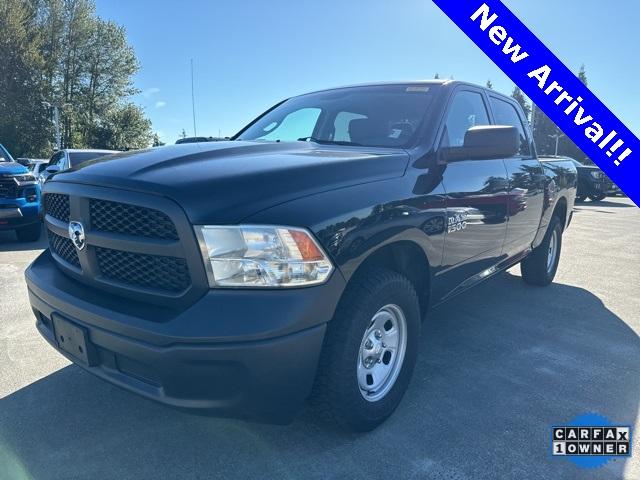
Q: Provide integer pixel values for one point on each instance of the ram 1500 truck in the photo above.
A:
(296, 260)
(19, 199)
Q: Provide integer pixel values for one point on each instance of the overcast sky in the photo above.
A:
(250, 54)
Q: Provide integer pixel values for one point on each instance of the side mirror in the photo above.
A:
(52, 169)
(484, 143)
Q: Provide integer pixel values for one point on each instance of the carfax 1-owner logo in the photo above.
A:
(591, 440)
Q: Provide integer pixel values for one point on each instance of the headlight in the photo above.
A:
(262, 256)
(24, 179)
(597, 175)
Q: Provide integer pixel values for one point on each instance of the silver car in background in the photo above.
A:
(68, 158)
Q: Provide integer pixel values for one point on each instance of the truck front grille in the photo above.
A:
(151, 271)
(64, 248)
(8, 188)
(57, 206)
(136, 245)
(116, 217)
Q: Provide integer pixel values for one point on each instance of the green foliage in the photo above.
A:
(60, 52)
(155, 141)
(582, 74)
(124, 127)
(22, 115)
(489, 84)
(545, 130)
(520, 97)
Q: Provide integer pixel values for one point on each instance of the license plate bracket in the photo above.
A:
(74, 340)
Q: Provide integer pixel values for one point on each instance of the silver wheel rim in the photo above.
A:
(553, 249)
(382, 352)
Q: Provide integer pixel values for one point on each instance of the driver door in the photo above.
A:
(476, 196)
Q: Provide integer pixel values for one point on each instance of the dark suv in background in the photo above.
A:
(592, 182)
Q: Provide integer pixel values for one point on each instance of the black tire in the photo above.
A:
(30, 233)
(337, 393)
(535, 268)
(598, 197)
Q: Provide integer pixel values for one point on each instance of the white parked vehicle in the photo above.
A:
(69, 158)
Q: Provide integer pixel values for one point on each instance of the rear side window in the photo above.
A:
(467, 110)
(506, 114)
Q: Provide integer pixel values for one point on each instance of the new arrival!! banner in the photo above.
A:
(552, 87)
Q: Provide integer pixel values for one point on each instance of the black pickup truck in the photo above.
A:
(296, 260)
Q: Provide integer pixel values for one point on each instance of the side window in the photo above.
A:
(298, 124)
(56, 159)
(341, 125)
(506, 114)
(62, 161)
(467, 110)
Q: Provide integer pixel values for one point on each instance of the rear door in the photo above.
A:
(476, 196)
(526, 180)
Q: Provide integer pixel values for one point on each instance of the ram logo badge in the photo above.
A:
(76, 234)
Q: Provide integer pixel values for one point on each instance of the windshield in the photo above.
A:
(5, 156)
(375, 116)
(577, 163)
(78, 158)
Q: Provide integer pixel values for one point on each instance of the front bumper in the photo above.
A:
(16, 213)
(244, 353)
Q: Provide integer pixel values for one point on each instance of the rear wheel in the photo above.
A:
(540, 267)
(30, 233)
(370, 350)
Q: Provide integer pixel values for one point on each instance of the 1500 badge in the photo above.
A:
(457, 222)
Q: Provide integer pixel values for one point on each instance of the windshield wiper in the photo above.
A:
(329, 142)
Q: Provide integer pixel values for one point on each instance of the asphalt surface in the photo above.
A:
(498, 367)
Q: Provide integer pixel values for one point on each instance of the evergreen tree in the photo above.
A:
(25, 127)
(520, 97)
(544, 132)
(489, 84)
(582, 74)
(155, 141)
(58, 52)
(566, 146)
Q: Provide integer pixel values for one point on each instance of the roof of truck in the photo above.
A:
(434, 82)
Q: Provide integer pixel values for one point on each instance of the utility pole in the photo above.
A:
(56, 123)
(557, 136)
(193, 102)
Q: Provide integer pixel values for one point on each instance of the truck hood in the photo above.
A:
(224, 182)
(12, 168)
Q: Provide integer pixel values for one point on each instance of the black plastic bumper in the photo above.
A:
(245, 353)
(18, 222)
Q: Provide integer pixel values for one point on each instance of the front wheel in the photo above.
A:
(370, 350)
(540, 267)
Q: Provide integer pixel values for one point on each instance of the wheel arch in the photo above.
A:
(560, 210)
(407, 258)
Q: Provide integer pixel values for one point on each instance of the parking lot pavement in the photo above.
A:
(499, 365)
